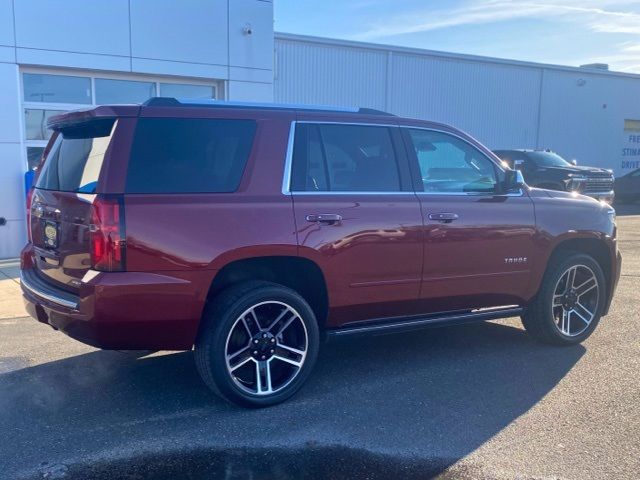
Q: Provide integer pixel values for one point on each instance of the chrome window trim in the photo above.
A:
(286, 183)
(360, 124)
(351, 193)
(52, 298)
(519, 193)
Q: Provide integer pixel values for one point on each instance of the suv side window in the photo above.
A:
(344, 158)
(450, 165)
(189, 155)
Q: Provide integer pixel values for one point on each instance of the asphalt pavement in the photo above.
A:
(477, 401)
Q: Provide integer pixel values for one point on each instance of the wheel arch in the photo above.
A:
(592, 246)
(298, 273)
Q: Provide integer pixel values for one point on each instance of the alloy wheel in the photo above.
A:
(575, 300)
(266, 348)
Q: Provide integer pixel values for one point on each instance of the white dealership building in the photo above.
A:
(63, 55)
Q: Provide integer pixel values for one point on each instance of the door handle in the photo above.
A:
(328, 218)
(443, 217)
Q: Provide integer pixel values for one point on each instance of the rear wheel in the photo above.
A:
(569, 304)
(258, 344)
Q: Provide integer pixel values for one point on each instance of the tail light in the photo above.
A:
(107, 234)
(29, 202)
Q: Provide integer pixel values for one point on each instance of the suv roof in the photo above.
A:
(185, 102)
(133, 110)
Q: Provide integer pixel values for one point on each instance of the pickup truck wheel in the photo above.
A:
(258, 344)
(569, 304)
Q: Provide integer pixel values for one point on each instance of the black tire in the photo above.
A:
(220, 317)
(539, 320)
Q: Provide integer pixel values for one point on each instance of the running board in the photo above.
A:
(396, 324)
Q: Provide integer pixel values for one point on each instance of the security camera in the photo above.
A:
(247, 30)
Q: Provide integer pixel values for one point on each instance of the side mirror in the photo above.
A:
(513, 181)
(574, 162)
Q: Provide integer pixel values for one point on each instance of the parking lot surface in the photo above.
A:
(479, 401)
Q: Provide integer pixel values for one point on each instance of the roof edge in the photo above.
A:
(448, 55)
(212, 103)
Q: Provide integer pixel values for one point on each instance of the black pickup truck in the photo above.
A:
(546, 169)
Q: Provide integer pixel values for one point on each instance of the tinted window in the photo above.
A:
(310, 169)
(33, 156)
(548, 159)
(75, 159)
(450, 165)
(344, 158)
(171, 155)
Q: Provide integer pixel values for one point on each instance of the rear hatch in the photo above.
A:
(63, 210)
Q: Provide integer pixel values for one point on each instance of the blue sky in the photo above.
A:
(569, 32)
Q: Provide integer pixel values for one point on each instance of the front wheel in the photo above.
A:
(258, 344)
(569, 304)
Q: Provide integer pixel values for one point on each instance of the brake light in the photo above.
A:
(107, 234)
(29, 202)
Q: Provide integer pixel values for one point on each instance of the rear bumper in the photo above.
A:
(38, 288)
(121, 310)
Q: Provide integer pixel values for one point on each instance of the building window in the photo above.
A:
(184, 90)
(123, 91)
(49, 94)
(35, 122)
(56, 88)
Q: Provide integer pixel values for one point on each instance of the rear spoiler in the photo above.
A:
(75, 117)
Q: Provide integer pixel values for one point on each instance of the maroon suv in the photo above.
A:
(250, 231)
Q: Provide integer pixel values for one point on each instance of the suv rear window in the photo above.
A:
(75, 159)
(183, 155)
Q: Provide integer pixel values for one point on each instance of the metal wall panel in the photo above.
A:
(326, 75)
(498, 104)
(579, 113)
(582, 117)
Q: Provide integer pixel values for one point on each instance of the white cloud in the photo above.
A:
(600, 16)
(620, 17)
(630, 47)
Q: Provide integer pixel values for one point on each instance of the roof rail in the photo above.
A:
(187, 102)
(373, 111)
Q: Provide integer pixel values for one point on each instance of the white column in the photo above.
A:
(12, 164)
